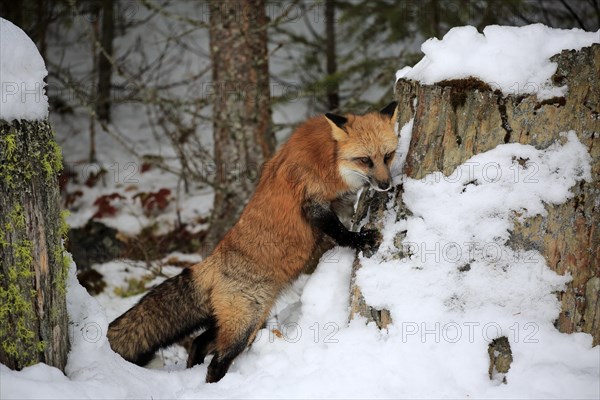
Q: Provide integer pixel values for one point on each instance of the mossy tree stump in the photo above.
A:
(454, 120)
(33, 265)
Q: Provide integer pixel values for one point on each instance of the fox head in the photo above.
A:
(366, 145)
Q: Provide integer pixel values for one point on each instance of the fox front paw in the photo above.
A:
(366, 239)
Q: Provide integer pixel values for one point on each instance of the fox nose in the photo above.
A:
(384, 186)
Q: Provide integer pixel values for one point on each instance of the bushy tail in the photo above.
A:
(170, 311)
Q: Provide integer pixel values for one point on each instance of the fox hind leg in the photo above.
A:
(203, 345)
(236, 328)
(225, 354)
(241, 304)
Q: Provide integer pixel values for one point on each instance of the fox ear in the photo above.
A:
(390, 109)
(338, 120)
(337, 123)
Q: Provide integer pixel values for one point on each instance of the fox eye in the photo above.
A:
(389, 156)
(366, 161)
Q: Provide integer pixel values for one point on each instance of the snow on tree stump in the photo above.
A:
(454, 120)
(374, 203)
(33, 264)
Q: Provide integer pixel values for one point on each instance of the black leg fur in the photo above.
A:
(322, 217)
(202, 345)
(221, 361)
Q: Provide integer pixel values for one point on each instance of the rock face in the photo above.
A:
(454, 120)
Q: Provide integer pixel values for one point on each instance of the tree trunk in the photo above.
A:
(96, 53)
(333, 96)
(104, 63)
(33, 265)
(241, 107)
(454, 120)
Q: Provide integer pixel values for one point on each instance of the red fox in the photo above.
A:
(232, 291)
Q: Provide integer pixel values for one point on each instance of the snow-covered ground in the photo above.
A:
(444, 314)
(460, 286)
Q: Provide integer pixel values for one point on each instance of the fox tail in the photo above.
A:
(175, 308)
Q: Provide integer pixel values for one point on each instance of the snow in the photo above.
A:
(129, 179)
(22, 73)
(404, 137)
(443, 319)
(461, 286)
(515, 60)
